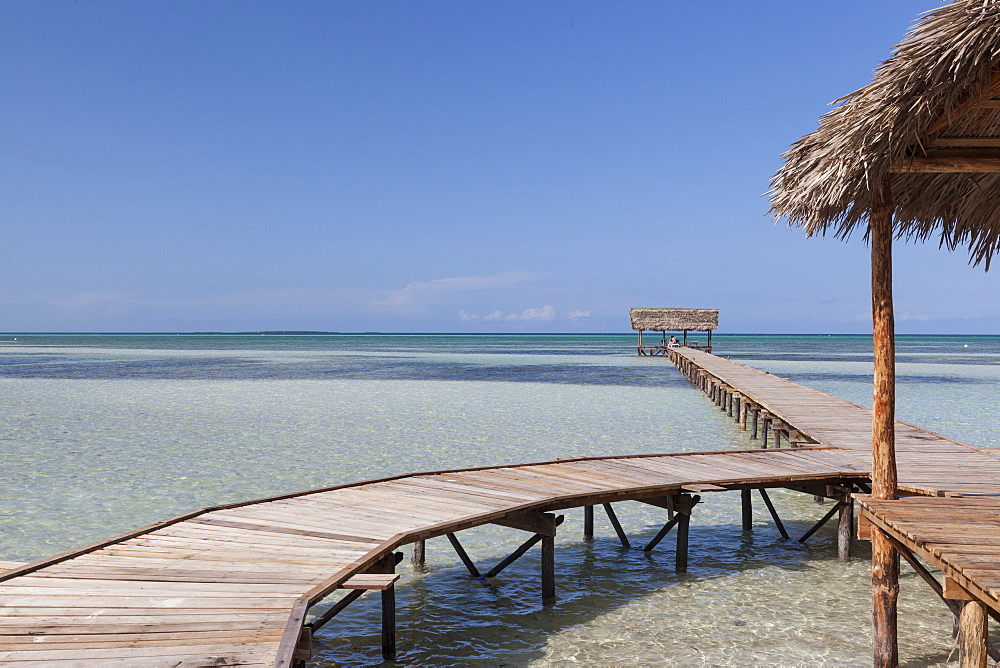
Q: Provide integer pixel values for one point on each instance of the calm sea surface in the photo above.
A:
(103, 433)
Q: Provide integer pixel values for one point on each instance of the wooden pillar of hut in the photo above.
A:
(709, 340)
(885, 560)
(685, 337)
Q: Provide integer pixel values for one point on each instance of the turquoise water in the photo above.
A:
(104, 433)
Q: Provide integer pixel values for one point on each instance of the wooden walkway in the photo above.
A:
(232, 585)
(952, 522)
(927, 462)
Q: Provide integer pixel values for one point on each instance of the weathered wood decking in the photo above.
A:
(232, 585)
(959, 533)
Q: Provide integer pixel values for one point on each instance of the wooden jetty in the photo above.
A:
(234, 584)
(949, 513)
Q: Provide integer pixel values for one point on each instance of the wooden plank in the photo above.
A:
(370, 581)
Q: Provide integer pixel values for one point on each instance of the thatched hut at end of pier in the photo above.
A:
(665, 320)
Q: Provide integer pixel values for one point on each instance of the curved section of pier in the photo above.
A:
(232, 585)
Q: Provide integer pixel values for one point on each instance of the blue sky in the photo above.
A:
(435, 166)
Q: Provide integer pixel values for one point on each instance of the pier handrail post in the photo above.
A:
(885, 561)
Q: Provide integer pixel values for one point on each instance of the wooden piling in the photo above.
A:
(389, 623)
(588, 523)
(548, 568)
(845, 528)
(683, 505)
(747, 505)
(418, 555)
(683, 527)
(972, 635)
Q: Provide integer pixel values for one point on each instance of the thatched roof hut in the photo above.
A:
(674, 319)
(915, 154)
(928, 126)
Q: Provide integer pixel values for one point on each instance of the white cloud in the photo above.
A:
(579, 315)
(543, 314)
(420, 292)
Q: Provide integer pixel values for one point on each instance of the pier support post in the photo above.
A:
(588, 523)
(418, 554)
(972, 635)
(388, 565)
(389, 623)
(756, 417)
(543, 525)
(845, 528)
(744, 408)
(617, 525)
(747, 504)
(683, 504)
(548, 568)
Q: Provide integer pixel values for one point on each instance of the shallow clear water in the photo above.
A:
(106, 433)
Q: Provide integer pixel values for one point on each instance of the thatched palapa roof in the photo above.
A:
(929, 122)
(674, 319)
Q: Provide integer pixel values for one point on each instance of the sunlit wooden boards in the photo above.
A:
(959, 536)
(927, 462)
(219, 587)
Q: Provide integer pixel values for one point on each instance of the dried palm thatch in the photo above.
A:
(937, 90)
(674, 319)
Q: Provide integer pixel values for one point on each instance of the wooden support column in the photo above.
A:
(744, 408)
(418, 554)
(548, 568)
(543, 525)
(885, 560)
(588, 523)
(683, 504)
(972, 635)
(747, 506)
(756, 417)
(845, 527)
(389, 623)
